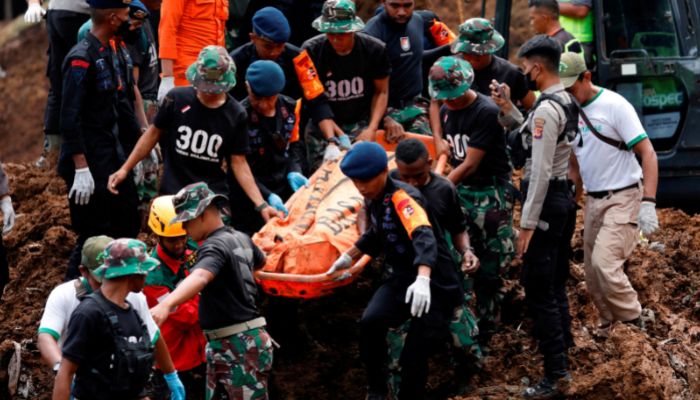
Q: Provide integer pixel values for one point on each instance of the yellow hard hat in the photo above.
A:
(162, 211)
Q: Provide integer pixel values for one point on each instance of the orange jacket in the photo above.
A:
(186, 26)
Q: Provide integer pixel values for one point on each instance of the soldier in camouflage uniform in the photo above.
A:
(239, 349)
(482, 173)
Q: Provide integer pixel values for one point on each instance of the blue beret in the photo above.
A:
(138, 10)
(364, 160)
(265, 78)
(271, 24)
(107, 4)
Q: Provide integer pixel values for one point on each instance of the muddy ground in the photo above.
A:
(661, 363)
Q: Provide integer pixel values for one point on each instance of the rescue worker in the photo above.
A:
(482, 173)
(276, 155)
(268, 41)
(544, 19)
(90, 127)
(8, 222)
(577, 18)
(477, 44)
(354, 69)
(64, 299)
(63, 20)
(107, 346)
(181, 331)
(185, 28)
(239, 350)
(419, 266)
(413, 167)
(546, 219)
(401, 29)
(616, 201)
(200, 127)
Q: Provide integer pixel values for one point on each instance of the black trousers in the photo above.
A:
(116, 216)
(4, 267)
(545, 270)
(62, 27)
(386, 309)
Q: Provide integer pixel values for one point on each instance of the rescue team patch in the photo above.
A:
(79, 63)
(539, 128)
(411, 214)
(308, 77)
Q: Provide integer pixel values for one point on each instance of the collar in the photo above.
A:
(554, 32)
(558, 87)
(172, 263)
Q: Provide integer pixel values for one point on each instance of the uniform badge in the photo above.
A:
(79, 70)
(539, 128)
(405, 43)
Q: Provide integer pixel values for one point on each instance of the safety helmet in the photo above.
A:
(162, 212)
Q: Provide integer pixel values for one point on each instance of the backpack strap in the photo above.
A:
(612, 142)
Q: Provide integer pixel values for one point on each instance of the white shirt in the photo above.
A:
(62, 301)
(602, 166)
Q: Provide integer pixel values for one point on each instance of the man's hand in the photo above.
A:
(500, 94)
(35, 12)
(83, 186)
(297, 180)
(367, 135)
(524, 241)
(394, 130)
(166, 84)
(177, 389)
(648, 221)
(420, 292)
(470, 263)
(332, 152)
(344, 261)
(116, 179)
(160, 313)
(8, 214)
(276, 202)
(268, 213)
(442, 146)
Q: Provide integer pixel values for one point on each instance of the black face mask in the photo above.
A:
(531, 83)
(131, 37)
(123, 29)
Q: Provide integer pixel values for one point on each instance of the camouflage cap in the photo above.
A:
(92, 253)
(124, 257)
(477, 36)
(191, 201)
(449, 78)
(338, 16)
(213, 72)
(571, 65)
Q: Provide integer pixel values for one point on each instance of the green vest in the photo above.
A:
(582, 29)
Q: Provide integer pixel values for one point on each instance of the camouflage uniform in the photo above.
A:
(238, 366)
(316, 144)
(414, 118)
(489, 211)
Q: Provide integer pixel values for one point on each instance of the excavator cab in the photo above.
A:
(647, 50)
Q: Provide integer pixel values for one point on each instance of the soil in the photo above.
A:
(662, 362)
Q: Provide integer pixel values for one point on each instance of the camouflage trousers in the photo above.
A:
(489, 211)
(316, 144)
(414, 117)
(238, 366)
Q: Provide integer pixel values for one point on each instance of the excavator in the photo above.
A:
(647, 50)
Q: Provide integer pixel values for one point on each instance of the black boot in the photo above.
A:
(555, 381)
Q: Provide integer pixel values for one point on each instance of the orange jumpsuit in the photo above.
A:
(186, 26)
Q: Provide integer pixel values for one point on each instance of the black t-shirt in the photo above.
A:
(349, 80)
(90, 344)
(567, 41)
(504, 72)
(476, 126)
(145, 56)
(404, 44)
(230, 297)
(196, 140)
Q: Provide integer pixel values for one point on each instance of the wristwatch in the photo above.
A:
(56, 366)
(261, 206)
(333, 139)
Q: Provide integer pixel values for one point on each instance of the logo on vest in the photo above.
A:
(405, 43)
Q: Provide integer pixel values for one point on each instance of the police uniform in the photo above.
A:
(547, 209)
(90, 125)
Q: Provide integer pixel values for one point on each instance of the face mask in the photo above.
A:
(123, 29)
(132, 37)
(531, 83)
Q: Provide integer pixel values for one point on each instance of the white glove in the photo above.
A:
(332, 152)
(420, 291)
(8, 213)
(139, 173)
(648, 221)
(166, 84)
(343, 262)
(83, 186)
(34, 13)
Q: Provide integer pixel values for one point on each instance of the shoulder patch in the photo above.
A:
(538, 128)
(411, 214)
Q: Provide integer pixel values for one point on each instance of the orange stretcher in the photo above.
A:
(322, 223)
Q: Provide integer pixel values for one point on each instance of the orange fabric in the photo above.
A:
(186, 26)
(308, 76)
(441, 34)
(297, 117)
(411, 214)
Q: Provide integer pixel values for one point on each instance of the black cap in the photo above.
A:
(541, 45)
